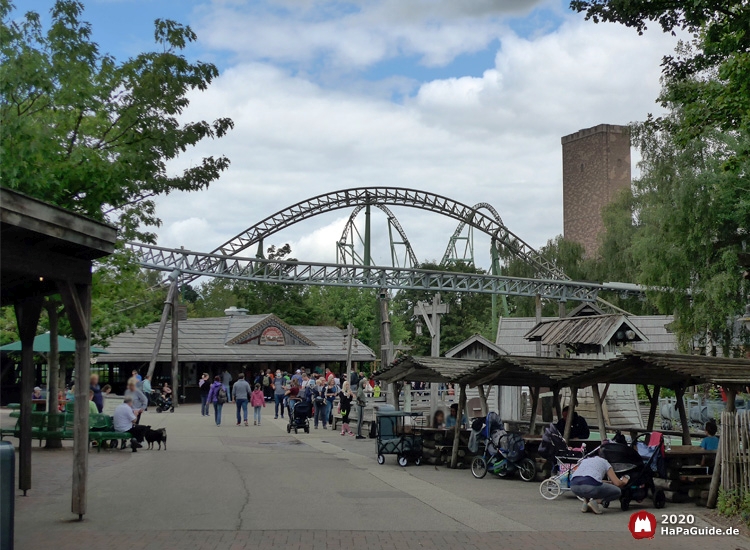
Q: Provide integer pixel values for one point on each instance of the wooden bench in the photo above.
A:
(101, 427)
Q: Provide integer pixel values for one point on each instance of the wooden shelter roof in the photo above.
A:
(667, 370)
(591, 329)
(443, 370)
(517, 370)
(43, 244)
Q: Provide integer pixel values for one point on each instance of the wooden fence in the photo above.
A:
(735, 453)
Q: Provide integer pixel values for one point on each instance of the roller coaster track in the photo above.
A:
(345, 248)
(393, 196)
(197, 264)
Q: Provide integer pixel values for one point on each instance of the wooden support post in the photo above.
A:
(713, 490)
(175, 353)
(556, 402)
(599, 413)
(571, 411)
(538, 314)
(534, 405)
(27, 319)
(680, 393)
(53, 369)
(77, 299)
(162, 327)
(731, 399)
(653, 406)
(483, 399)
(457, 428)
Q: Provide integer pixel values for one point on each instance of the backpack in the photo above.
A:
(221, 396)
(266, 381)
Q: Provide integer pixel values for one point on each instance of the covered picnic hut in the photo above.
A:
(48, 251)
(534, 372)
(669, 370)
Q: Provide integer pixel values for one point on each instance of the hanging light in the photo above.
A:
(418, 327)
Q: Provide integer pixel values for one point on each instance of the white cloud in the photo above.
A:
(356, 33)
(494, 139)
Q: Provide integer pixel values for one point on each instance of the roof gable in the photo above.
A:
(492, 350)
(263, 333)
(591, 329)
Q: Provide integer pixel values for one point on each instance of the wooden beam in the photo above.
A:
(484, 380)
(534, 405)
(680, 393)
(162, 327)
(175, 351)
(599, 414)
(653, 406)
(556, 402)
(53, 369)
(604, 393)
(77, 316)
(27, 319)
(483, 400)
(713, 490)
(731, 398)
(457, 428)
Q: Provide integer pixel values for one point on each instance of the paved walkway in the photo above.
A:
(258, 487)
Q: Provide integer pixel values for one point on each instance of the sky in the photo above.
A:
(467, 99)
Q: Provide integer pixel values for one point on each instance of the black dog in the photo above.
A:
(156, 436)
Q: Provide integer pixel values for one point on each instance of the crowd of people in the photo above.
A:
(281, 388)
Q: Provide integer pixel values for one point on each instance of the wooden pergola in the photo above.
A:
(669, 370)
(536, 373)
(48, 251)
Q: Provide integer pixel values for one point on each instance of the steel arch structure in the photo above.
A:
(199, 264)
(451, 251)
(392, 196)
(345, 247)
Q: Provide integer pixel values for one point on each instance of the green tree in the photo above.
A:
(94, 135)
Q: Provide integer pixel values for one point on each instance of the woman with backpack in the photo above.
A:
(217, 395)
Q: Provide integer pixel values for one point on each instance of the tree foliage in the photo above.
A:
(685, 225)
(91, 134)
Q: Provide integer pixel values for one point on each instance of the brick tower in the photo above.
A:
(596, 166)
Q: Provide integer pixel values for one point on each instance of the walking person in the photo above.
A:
(241, 394)
(257, 400)
(146, 389)
(205, 386)
(98, 398)
(217, 396)
(226, 380)
(319, 401)
(279, 391)
(345, 405)
(332, 391)
(361, 403)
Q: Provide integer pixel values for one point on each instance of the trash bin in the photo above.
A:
(7, 494)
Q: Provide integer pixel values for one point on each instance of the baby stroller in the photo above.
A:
(299, 413)
(564, 461)
(503, 452)
(161, 403)
(627, 460)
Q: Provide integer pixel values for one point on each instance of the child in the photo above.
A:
(257, 400)
(710, 442)
(345, 404)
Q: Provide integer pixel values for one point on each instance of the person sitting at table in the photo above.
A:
(438, 421)
(586, 483)
(450, 422)
(123, 421)
(579, 429)
(106, 389)
(37, 393)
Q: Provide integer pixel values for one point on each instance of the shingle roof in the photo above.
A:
(429, 369)
(592, 329)
(208, 340)
(513, 329)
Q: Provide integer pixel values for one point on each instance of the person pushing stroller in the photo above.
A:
(586, 483)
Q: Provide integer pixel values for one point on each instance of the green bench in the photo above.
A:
(61, 426)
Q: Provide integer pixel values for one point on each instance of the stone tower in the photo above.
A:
(596, 166)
